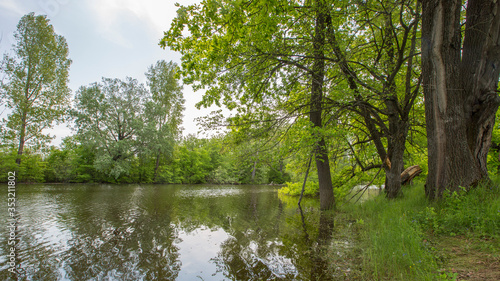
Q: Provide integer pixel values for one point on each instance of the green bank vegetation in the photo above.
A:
(412, 239)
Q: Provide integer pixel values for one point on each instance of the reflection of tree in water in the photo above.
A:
(124, 240)
(132, 233)
(307, 237)
(31, 245)
(238, 261)
(320, 269)
(282, 244)
(298, 252)
(253, 252)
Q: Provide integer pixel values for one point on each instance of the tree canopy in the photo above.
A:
(110, 117)
(35, 85)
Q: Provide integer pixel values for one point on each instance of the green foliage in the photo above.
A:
(163, 114)
(195, 163)
(167, 101)
(60, 165)
(7, 163)
(34, 87)
(31, 169)
(227, 172)
(494, 153)
(448, 276)
(110, 118)
(294, 189)
(464, 214)
(276, 174)
(192, 160)
(84, 165)
(131, 129)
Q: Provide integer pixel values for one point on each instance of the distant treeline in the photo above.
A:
(190, 161)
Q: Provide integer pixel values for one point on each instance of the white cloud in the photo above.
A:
(110, 15)
(12, 6)
(110, 38)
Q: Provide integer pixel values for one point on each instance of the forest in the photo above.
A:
(366, 89)
(322, 96)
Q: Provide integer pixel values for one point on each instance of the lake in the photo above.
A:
(170, 232)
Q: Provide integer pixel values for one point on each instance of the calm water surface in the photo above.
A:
(167, 232)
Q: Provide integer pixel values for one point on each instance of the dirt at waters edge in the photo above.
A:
(466, 258)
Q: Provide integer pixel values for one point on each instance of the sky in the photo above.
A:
(106, 38)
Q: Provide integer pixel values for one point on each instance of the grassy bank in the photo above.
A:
(413, 239)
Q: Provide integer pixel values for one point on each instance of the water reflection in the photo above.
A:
(167, 232)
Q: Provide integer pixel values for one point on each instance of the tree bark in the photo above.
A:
(460, 91)
(479, 72)
(157, 165)
(398, 123)
(327, 200)
(409, 174)
(254, 169)
(22, 140)
(393, 172)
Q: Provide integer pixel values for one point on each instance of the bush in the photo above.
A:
(464, 214)
(294, 188)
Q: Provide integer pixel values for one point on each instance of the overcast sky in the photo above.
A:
(106, 38)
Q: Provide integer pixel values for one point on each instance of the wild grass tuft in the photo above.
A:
(393, 243)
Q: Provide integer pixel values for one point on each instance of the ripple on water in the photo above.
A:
(209, 192)
(146, 233)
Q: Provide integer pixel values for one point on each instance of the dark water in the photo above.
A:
(166, 232)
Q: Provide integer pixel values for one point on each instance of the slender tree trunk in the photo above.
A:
(305, 180)
(319, 270)
(22, 140)
(22, 133)
(397, 109)
(254, 170)
(327, 200)
(157, 165)
(460, 91)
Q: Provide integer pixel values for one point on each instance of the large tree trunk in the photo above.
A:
(460, 91)
(327, 200)
(395, 157)
(480, 70)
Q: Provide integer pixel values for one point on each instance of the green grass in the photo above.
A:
(396, 236)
